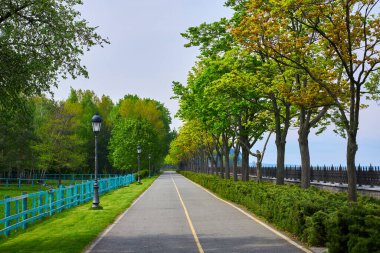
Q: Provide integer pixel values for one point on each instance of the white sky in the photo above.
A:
(146, 54)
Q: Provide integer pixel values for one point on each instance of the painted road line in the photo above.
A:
(109, 228)
(255, 219)
(188, 219)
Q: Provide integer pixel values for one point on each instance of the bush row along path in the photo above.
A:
(175, 215)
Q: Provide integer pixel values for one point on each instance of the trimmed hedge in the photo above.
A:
(317, 217)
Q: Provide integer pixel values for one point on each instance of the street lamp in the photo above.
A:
(149, 164)
(96, 124)
(138, 163)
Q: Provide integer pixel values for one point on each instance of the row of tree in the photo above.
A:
(273, 65)
(56, 136)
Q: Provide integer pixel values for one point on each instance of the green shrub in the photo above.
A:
(143, 174)
(355, 229)
(317, 217)
(315, 229)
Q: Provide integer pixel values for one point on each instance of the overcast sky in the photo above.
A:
(146, 54)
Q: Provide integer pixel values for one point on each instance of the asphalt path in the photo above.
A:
(176, 215)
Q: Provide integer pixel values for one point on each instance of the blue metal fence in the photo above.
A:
(37, 180)
(22, 210)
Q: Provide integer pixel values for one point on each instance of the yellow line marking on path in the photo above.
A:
(255, 219)
(188, 219)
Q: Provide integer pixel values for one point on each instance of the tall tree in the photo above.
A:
(152, 117)
(58, 136)
(125, 136)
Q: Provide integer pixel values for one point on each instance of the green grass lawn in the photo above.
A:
(73, 229)
(14, 190)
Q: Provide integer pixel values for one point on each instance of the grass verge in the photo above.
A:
(73, 229)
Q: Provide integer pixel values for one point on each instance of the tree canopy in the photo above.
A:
(41, 41)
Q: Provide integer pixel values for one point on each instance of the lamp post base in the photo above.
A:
(138, 179)
(96, 207)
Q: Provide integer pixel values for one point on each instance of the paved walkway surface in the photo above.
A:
(175, 215)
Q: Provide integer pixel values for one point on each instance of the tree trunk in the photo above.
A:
(227, 164)
(281, 133)
(221, 165)
(214, 165)
(205, 163)
(217, 169)
(245, 158)
(280, 172)
(235, 161)
(258, 166)
(226, 150)
(352, 147)
(305, 157)
(245, 164)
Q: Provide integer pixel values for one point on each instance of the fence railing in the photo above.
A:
(59, 176)
(49, 178)
(366, 175)
(22, 210)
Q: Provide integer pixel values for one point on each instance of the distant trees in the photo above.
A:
(298, 64)
(143, 122)
(56, 136)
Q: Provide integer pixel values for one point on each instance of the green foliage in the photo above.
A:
(61, 127)
(16, 138)
(125, 136)
(191, 138)
(355, 228)
(212, 38)
(317, 217)
(57, 137)
(143, 122)
(40, 42)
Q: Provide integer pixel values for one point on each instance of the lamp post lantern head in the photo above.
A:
(96, 123)
(138, 149)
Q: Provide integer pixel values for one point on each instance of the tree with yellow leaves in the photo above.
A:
(343, 39)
